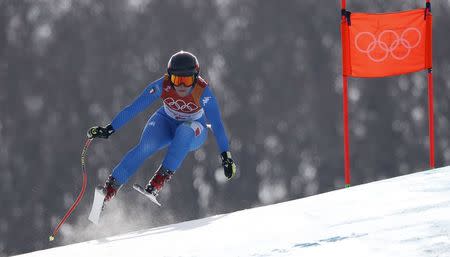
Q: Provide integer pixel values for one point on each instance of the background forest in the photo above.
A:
(275, 67)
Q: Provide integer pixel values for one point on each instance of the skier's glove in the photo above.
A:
(100, 132)
(229, 167)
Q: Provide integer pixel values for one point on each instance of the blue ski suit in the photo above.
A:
(179, 124)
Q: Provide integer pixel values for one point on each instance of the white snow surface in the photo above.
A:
(405, 216)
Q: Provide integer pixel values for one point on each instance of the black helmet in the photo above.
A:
(183, 64)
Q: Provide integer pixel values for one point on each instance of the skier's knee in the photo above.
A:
(196, 127)
(146, 148)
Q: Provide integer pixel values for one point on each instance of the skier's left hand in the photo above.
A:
(229, 167)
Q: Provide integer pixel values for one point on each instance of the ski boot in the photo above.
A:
(157, 181)
(110, 188)
(102, 194)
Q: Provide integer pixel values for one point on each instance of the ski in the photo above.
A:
(141, 190)
(97, 205)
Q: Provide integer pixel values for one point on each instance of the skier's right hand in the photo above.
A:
(100, 132)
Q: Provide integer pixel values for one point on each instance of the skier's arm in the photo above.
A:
(209, 104)
(147, 97)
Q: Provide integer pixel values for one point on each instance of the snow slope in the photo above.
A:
(404, 216)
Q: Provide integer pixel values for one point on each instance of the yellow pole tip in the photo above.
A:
(51, 238)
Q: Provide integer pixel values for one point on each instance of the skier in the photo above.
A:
(179, 124)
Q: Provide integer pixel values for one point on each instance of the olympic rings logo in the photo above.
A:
(388, 48)
(180, 105)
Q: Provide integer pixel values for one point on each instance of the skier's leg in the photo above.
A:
(188, 136)
(155, 136)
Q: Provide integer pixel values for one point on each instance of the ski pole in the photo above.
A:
(80, 195)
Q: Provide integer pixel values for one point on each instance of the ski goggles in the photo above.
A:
(177, 81)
